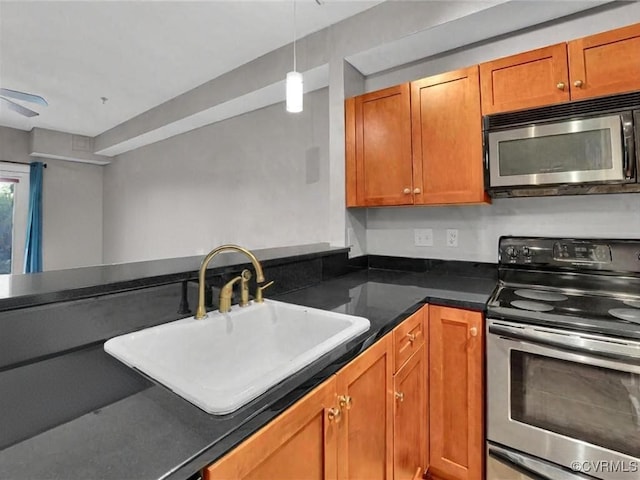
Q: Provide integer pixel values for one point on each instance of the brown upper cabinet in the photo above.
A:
(417, 143)
(593, 66)
(530, 79)
(447, 139)
(605, 63)
(378, 148)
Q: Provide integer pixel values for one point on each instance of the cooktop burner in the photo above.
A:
(632, 303)
(533, 306)
(541, 295)
(629, 314)
(579, 284)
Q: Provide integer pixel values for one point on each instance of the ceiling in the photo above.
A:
(138, 54)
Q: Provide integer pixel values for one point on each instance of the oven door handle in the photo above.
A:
(531, 466)
(628, 352)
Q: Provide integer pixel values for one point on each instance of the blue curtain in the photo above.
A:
(33, 243)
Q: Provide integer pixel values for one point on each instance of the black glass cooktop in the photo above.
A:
(614, 314)
(579, 284)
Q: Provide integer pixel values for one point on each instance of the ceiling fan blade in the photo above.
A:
(19, 108)
(26, 97)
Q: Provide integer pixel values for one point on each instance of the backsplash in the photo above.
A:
(390, 231)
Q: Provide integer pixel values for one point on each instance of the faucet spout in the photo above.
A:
(201, 312)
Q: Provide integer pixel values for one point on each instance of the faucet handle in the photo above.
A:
(245, 276)
(225, 295)
(259, 298)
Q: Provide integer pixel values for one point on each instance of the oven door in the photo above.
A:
(506, 464)
(569, 398)
(598, 149)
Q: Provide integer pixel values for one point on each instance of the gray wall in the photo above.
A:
(72, 215)
(72, 212)
(390, 230)
(14, 145)
(260, 180)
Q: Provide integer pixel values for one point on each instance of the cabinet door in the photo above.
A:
(531, 79)
(301, 443)
(381, 124)
(447, 138)
(456, 394)
(365, 443)
(410, 417)
(606, 63)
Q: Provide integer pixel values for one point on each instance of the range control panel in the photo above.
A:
(577, 254)
(587, 252)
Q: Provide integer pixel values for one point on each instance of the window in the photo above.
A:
(14, 207)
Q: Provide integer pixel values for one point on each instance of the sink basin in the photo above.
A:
(227, 359)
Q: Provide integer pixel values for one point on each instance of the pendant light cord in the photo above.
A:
(294, 35)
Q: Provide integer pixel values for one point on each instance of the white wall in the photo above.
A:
(72, 206)
(260, 180)
(389, 231)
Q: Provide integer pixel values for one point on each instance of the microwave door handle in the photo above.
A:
(531, 466)
(628, 162)
(620, 351)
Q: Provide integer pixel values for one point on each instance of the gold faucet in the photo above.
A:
(201, 312)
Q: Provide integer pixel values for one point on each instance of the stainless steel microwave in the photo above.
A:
(579, 147)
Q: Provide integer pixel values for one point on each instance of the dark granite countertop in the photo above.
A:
(154, 434)
(60, 285)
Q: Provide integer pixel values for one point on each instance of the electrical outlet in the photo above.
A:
(423, 237)
(452, 237)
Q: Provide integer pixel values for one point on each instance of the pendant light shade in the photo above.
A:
(294, 84)
(294, 92)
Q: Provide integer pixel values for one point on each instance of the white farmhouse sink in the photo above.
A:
(227, 359)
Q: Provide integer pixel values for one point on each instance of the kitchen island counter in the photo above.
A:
(154, 434)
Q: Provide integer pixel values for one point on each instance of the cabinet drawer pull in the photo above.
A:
(334, 414)
(578, 83)
(345, 401)
(399, 396)
(411, 337)
(418, 474)
(560, 85)
(416, 190)
(473, 331)
(407, 191)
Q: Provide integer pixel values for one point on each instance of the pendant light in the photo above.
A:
(294, 79)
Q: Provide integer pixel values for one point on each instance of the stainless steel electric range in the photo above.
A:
(563, 360)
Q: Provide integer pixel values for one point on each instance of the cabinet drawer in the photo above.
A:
(408, 337)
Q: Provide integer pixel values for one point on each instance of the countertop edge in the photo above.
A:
(141, 281)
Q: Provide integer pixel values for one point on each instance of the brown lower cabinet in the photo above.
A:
(410, 449)
(370, 421)
(456, 394)
(300, 444)
(342, 430)
(365, 437)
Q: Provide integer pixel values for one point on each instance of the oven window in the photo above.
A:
(593, 404)
(568, 152)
